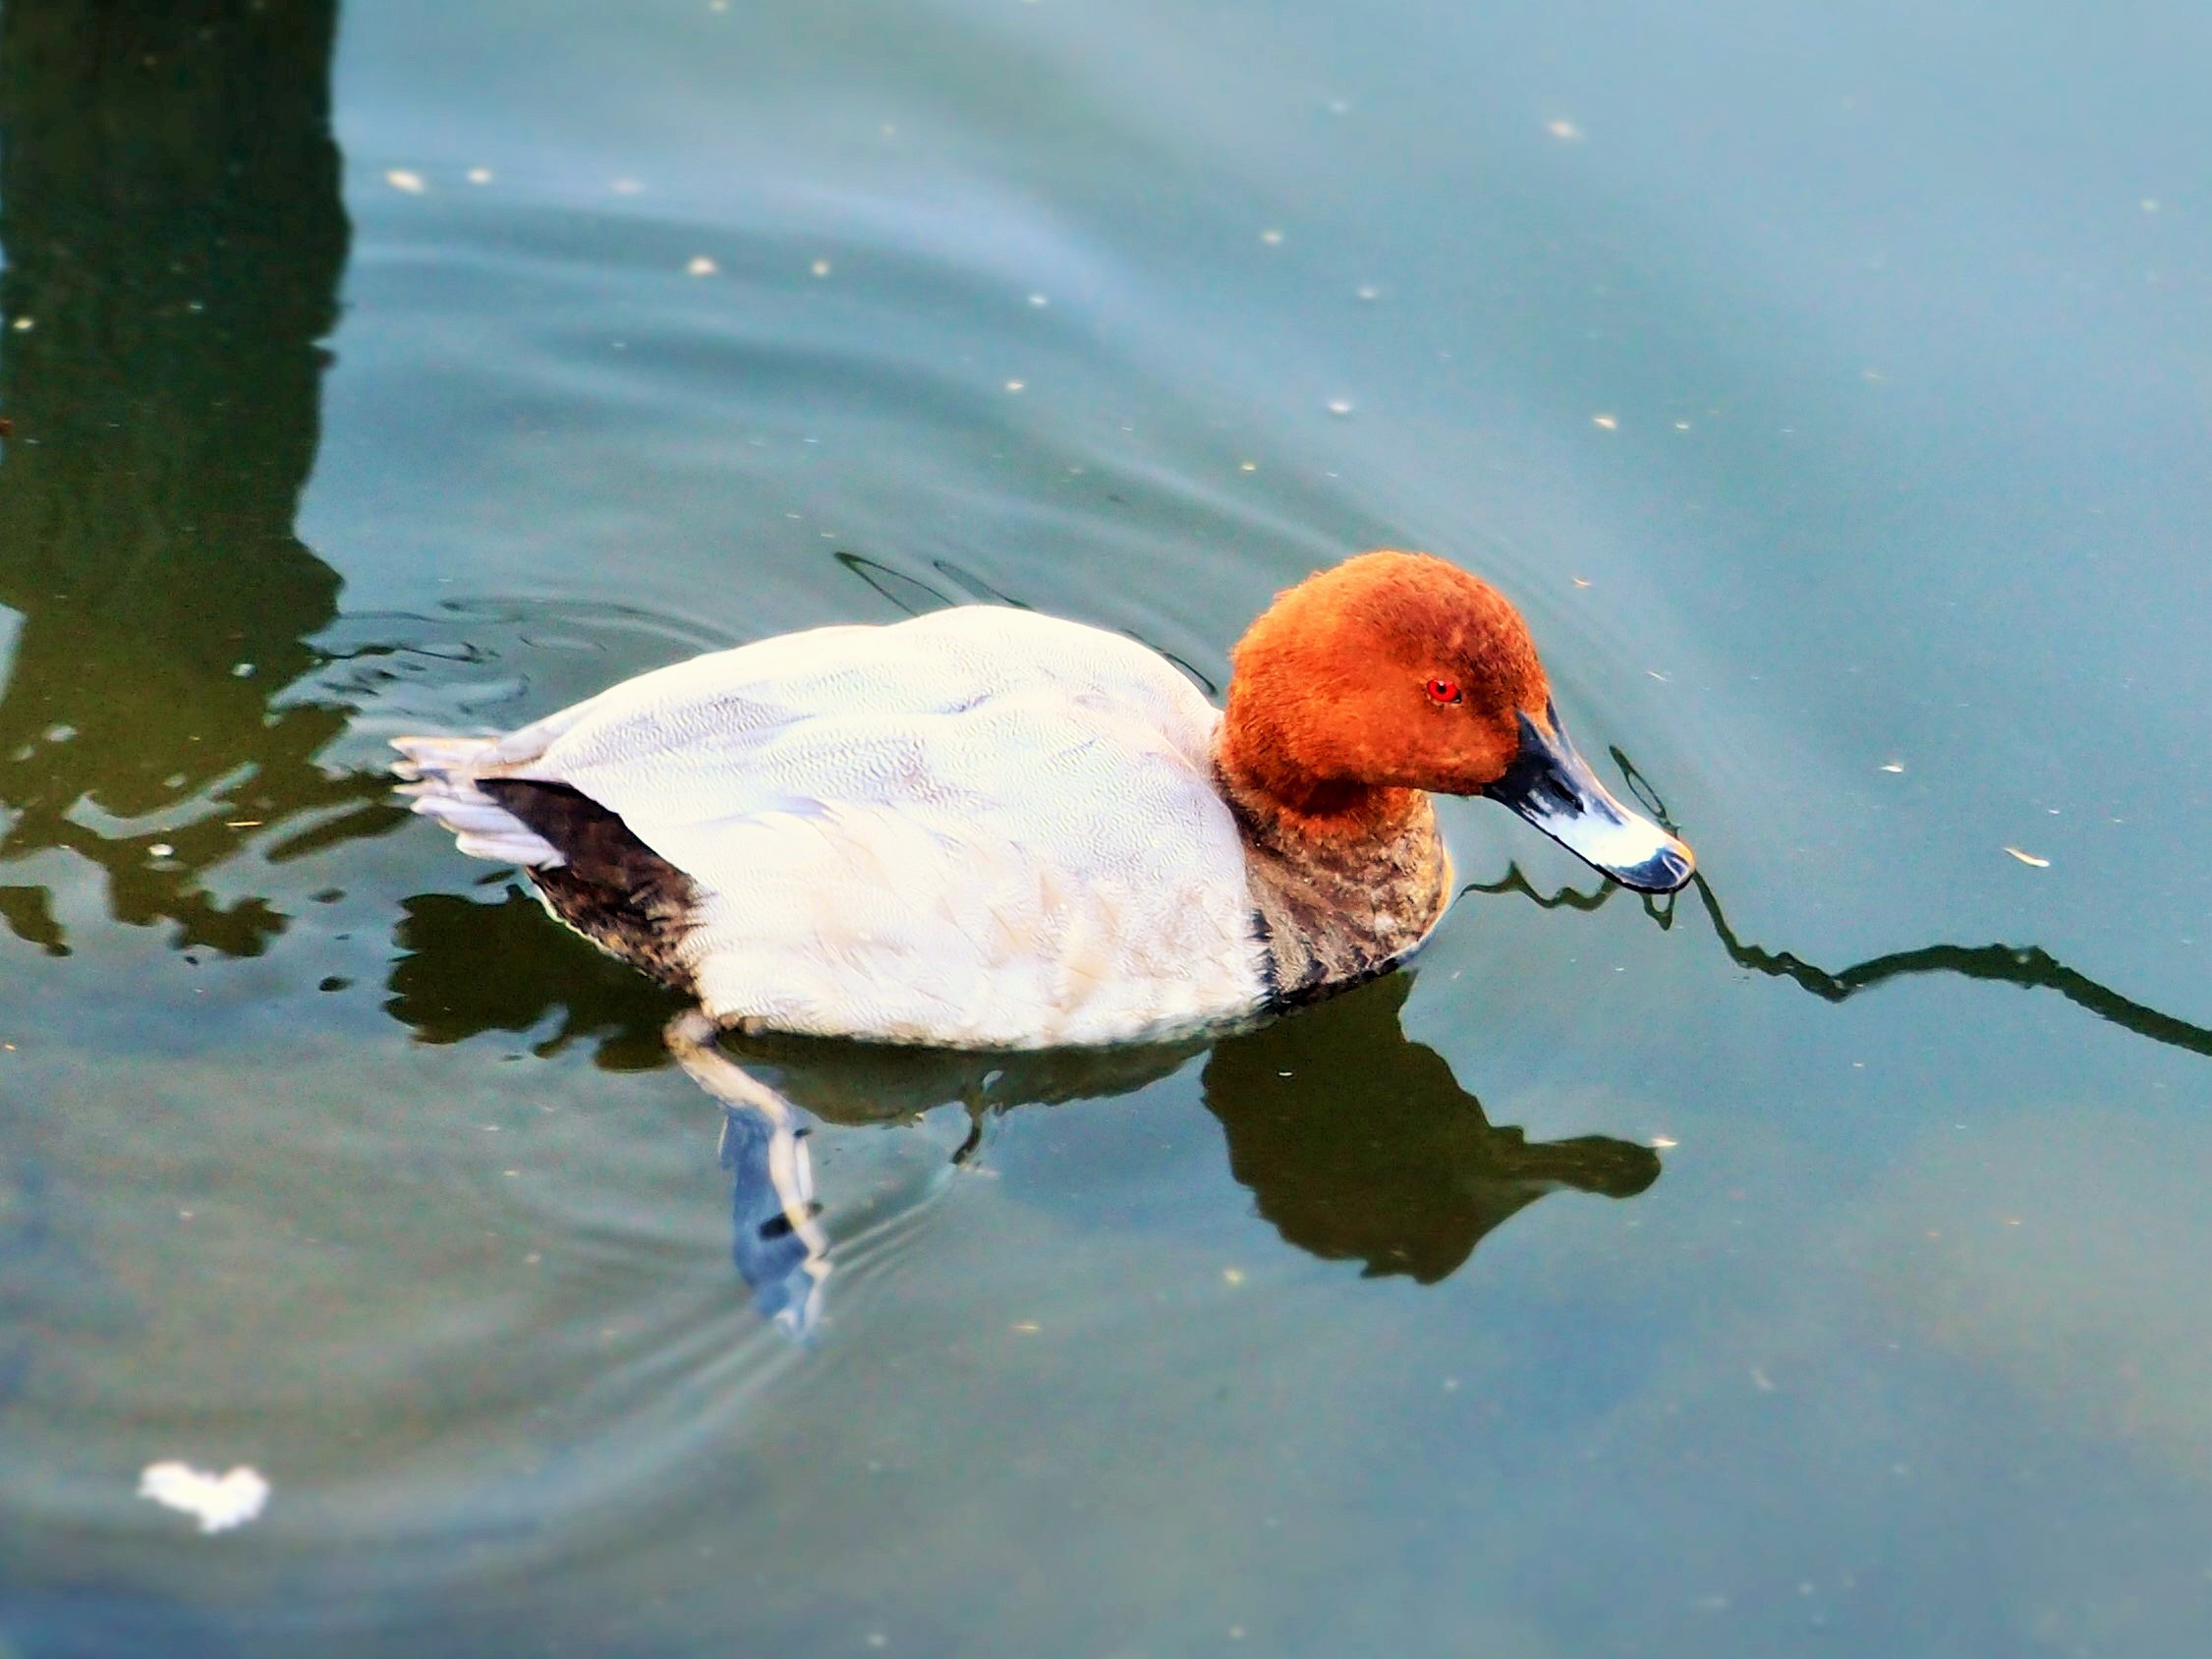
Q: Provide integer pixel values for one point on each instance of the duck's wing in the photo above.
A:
(979, 828)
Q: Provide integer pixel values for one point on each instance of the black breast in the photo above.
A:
(614, 890)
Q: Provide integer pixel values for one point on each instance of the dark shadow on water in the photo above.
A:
(174, 238)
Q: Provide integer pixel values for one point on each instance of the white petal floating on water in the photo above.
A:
(701, 267)
(479, 175)
(1605, 420)
(2030, 858)
(220, 1501)
(399, 178)
(1892, 766)
(1562, 130)
(1339, 406)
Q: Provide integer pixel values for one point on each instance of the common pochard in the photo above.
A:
(989, 829)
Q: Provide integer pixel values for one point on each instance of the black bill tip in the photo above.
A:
(1553, 786)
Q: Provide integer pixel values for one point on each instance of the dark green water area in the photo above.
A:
(1814, 1264)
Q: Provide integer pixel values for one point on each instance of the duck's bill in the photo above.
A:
(1555, 789)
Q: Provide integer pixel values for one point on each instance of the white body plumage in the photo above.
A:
(982, 828)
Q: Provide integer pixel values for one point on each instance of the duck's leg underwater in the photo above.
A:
(779, 1247)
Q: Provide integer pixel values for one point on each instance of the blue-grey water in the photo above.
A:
(1830, 388)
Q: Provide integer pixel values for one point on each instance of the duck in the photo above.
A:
(989, 828)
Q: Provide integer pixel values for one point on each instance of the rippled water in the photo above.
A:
(1828, 388)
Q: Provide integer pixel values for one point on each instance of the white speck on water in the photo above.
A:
(626, 187)
(2148, 204)
(1367, 291)
(1339, 106)
(1039, 301)
(1682, 425)
(1563, 130)
(821, 268)
(479, 175)
(24, 324)
(1892, 766)
(1605, 420)
(1339, 406)
(1273, 237)
(1017, 385)
(242, 670)
(1664, 1142)
(2029, 859)
(1761, 1381)
(1248, 466)
(219, 1502)
(401, 179)
(701, 265)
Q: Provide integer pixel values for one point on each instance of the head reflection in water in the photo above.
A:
(1359, 1145)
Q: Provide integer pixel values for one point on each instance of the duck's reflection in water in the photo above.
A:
(1357, 1143)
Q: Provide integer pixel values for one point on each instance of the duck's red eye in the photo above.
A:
(1444, 691)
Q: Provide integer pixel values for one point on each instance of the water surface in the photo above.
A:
(1829, 390)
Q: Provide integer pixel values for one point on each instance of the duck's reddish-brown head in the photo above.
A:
(1396, 672)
